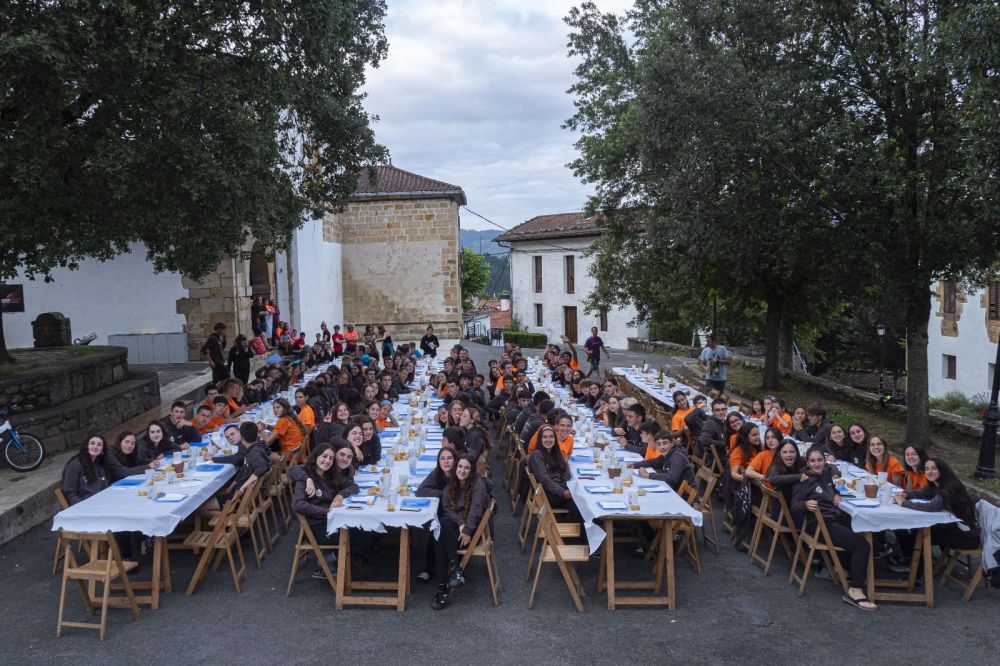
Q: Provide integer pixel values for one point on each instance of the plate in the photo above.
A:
(598, 490)
(171, 497)
(863, 503)
(658, 488)
(612, 505)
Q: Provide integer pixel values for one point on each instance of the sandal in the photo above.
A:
(858, 601)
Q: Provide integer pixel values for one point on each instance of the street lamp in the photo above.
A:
(986, 467)
(880, 328)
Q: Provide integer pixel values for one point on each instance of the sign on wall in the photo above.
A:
(12, 297)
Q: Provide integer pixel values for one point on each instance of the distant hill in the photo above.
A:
(481, 240)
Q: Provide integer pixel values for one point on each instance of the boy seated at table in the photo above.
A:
(252, 461)
(671, 464)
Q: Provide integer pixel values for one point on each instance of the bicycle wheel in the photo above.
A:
(25, 458)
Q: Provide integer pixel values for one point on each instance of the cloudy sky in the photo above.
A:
(474, 93)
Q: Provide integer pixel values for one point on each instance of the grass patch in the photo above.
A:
(957, 403)
(81, 350)
(10, 369)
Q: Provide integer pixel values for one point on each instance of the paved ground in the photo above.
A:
(730, 613)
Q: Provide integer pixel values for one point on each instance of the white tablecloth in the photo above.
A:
(647, 384)
(120, 509)
(651, 505)
(866, 518)
(377, 517)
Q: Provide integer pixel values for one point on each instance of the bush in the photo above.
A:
(526, 340)
(956, 402)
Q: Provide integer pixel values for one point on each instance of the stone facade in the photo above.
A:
(400, 264)
(64, 375)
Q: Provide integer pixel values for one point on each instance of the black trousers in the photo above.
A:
(858, 550)
(949, 535)
(446, 548)
(219, 373)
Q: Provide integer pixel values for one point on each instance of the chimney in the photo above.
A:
(504, 302)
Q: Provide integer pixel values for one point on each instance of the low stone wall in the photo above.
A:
(64, 374)
(66, 425)
(659, 347)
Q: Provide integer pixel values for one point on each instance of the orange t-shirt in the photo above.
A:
(651, 452)
(574, 364)
(915, 480)
(351, 337)
(782, 422)
(565, 446)
(677, 420)
(232, 408)
(213, 423)
(308, 416)
(289, 435)
(732, 441)
(894, 470)
(736, 458)
(499, 384)
(762, 462)
(382, 423)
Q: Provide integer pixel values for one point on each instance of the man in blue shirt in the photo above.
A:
(713, 359)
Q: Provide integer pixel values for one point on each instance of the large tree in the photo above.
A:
(475, 274)
(188, 126)
(911, 88)
(699, 138)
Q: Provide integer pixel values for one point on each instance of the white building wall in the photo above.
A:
(316, 281)
(553, 296)
(118, 297)
(974, 354)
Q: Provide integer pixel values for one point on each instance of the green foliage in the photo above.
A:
(956, 402)
(526, 340)
(475, 275)
(515, 324)
(187, 126)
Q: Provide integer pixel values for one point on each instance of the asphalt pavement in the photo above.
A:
(730, 613)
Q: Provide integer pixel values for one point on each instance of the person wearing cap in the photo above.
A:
(385, 419)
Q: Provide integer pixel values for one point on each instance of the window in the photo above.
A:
(538, 314)
(949, 305)
(538, 274)
(993, 301)
(603, 325)
(570, 274)
(949, 366)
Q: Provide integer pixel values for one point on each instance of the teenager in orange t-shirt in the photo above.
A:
(761, 463)
(914, 477)
(289, 431)
(747, 446)
(779, 417)
(880, 460)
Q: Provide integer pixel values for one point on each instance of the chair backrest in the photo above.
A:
(709, 478)
(547, 521)
(689, 494)
(92, 543)
(484, 526)
(228, 516)
(61, 498)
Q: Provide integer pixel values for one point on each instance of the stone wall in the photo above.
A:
(225, 296)
(64, 374)
(66, 425)
(400, 264)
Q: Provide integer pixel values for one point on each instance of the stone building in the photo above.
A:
(962, 335)
(550, 281)
(391, 257)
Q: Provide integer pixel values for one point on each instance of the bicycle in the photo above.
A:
(23, 452)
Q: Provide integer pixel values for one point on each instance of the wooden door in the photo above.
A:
(569, 322)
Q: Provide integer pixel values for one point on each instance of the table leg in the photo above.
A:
(871, 567)
(928, 568)
(165, 558)
(609, 545)
(660, 557)
(158, 544)
(404, 570)
(343, 567)
(603, 568)
(668, 547)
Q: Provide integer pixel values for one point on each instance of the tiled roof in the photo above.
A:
(560, 225)
(500, 319)
(392, 182)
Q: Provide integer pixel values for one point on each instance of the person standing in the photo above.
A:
(593, 346)
(272, 320)
(338, 341)
(239, 359)
(429, 343)
(214, 347)
(713, 359)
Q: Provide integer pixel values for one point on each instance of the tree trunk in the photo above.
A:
(785, 343)
(917, 399)
(5, 356)
(775, 309)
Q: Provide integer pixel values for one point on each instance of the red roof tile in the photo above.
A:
(392, 182)
(560, 225)
(500, 319)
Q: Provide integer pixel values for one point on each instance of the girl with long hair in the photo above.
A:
(464, 503)
(944, 492)
(747, 446)
(121, 459)
(289, 432)
(880, 460)
(434, 485)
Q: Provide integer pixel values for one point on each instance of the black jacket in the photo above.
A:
(316, 507)
(120, 466)
(148, 452)
(533, 423)
(372, 451)
(554, 480)
(433, 484)
(820, 488)
(713, 432)
(179, 436)
(672, 468)
(256, 461)
(474, 441)
(75, 485)
(818, 434)
(694, 421)
(477, 499)
(784, 483)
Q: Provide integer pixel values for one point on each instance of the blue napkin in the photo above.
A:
(429, 457)
(128, 483)
(581, 459)
(209, 467)
(415, 502)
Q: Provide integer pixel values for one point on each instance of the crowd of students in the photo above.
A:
(334, 422)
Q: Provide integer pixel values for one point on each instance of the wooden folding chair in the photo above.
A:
(566, 530)
(481, 545)
(246, 518)
(779, 527)
(952, 556)
(524, 528)
(267, 511)
(220, 541)
(554, 550)
(278, 492)
(815, 541)
(706, 480)
(515, 486)
(96, 571)
(57, 555)
(306, 546)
